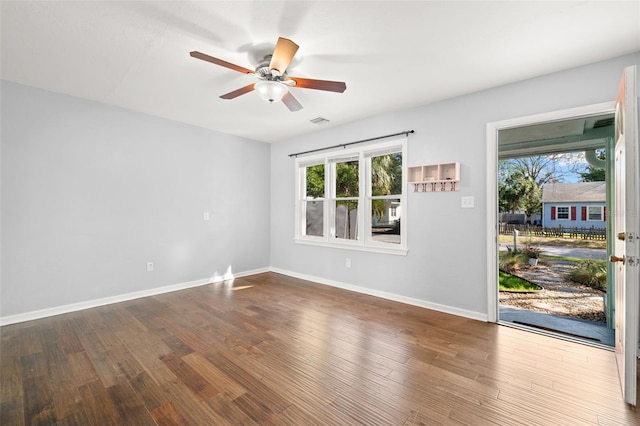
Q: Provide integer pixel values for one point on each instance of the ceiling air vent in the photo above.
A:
(319, 120)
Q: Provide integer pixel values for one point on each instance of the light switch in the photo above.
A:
(467, 202)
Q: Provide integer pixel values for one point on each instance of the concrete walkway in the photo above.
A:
(572, 327)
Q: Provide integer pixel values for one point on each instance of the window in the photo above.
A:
(594, 213)
(313, 200)
(563, 213)
(354, 198)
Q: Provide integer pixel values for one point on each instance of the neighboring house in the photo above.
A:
(581, 204)
(520, 218)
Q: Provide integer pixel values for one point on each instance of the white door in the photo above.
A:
(626, 226)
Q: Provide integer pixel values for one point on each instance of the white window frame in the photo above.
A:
(302, 199)
(601, 208)
(568, 213)
(364, 223)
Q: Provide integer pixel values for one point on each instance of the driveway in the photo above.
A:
(582, 253)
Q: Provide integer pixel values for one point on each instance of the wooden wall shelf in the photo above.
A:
(441, 177)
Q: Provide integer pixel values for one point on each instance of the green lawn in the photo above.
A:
(512, 283)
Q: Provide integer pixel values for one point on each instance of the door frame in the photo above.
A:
(492, 183)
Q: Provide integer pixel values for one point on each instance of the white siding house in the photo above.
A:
(581, 204)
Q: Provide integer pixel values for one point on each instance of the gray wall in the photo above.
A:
(90, 193)
(446, 263)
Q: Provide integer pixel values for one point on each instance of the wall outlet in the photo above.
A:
(206, 216)
(467, 202)
(149, 266)
(347, 263)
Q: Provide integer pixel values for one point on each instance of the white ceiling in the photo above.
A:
(392, 55)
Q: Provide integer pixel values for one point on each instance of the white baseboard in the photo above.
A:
(49, 312)
(389, 296)
(58, 310)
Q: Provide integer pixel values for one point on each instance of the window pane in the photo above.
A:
(563, 212)
(386, 174)
(347, 176)
(595, 213)
(385, 220)
(314, 215)
(347, 219)
(315, 181)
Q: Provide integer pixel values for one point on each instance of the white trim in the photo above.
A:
(479, 316)
(549, 117)
(348, 245)
(492, 223)
(58, 310)
(492, 172)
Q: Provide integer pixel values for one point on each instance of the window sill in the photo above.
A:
(398, 251)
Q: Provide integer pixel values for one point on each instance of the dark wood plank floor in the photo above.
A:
(270, 349)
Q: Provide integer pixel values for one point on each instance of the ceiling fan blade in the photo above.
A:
(291, 102)
(330, 86)
(282, 55)
(204, 57)
(238, 92)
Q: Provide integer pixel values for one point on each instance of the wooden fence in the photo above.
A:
(573, 232)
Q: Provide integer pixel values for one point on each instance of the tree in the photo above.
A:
(517, 190)
(315, 181)
(543, 168)
(386, 174)
(386, 179)
(532, 201)
(593, 174)
(520, 180)
(347, 179)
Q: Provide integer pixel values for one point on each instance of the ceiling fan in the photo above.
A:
(274, 83)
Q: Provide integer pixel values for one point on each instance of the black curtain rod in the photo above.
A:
(344, 145)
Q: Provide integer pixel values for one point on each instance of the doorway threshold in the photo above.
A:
(576, 330)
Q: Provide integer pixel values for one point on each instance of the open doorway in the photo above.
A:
(560, 165)
(553, 243)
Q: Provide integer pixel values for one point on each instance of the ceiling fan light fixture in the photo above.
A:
(271, 91)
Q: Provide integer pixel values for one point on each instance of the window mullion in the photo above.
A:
(362, 173)
(367, 206)
(330, 191)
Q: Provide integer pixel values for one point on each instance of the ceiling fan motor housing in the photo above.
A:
(262, 68)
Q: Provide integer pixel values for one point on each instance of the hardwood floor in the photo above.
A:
(270, 349)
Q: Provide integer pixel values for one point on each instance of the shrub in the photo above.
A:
(590, 272)
(531, 252)
(512, 261)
